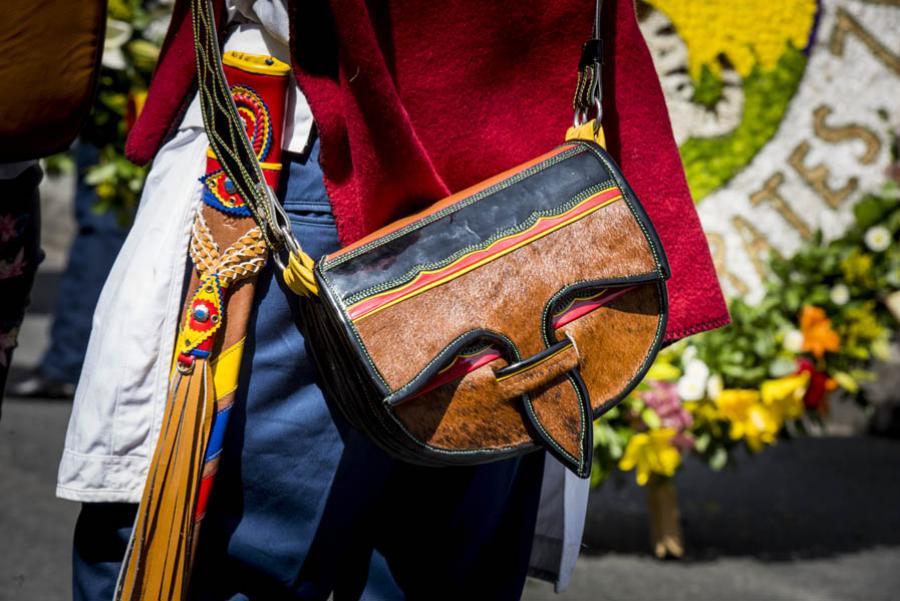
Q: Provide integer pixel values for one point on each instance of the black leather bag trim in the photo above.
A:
(373, 411)
(455, 207)
(581, 467)
(446, 354)
(655, 347)
(470, 224)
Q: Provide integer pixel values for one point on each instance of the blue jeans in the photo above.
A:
(97, 242)
(304, 505)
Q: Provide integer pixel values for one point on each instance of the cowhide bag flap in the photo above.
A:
(502, 319)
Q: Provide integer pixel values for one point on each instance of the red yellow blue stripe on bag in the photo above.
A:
(427, 280)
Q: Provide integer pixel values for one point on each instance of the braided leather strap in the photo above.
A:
(225, 129)
(229, 141)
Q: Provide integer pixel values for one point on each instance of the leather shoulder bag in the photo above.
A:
(501, 320)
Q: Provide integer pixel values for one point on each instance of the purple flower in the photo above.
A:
(663, 399)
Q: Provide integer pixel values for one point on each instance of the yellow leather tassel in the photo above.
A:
(587, 131)
(298, 274)
(158, 556)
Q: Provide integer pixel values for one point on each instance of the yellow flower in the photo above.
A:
(662, 369)
(106, 190)
(750, 419)
(818, 337)
(702, 410)
(747, 33)
(136, 100)
(651, 453)
(857, 268)
(706, 416)
(860, 330)
(785, 395)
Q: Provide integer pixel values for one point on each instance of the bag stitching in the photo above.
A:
(461, 204)
(411, 274)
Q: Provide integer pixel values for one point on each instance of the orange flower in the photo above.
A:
(818, 337)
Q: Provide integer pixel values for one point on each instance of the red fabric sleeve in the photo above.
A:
(426, 98)
(414, 100)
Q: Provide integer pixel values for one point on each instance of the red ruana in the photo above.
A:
(414, 100)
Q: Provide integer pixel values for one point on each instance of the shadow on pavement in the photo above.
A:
(806, 498)
(44, 293)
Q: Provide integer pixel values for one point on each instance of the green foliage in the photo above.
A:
(756, 376)
(133, 38)
(710, 162)
(708, 90)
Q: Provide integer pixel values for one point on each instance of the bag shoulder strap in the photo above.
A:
(229, 141)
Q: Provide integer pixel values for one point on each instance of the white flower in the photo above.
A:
(692, 385)
(839, 294)
(117, 34)
(691, 388)
(698, 369)
(157, 28)
(714, 386)
(877, 238)
(782, 366)
(793, 341)
(689, 352)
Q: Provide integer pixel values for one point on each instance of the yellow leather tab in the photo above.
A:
(298, 275)
(255, 63)
(585, 131)
(225, 369)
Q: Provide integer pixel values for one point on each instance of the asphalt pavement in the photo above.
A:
(812, 519)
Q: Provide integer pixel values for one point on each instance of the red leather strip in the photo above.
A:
(430, 279)
(581, 308)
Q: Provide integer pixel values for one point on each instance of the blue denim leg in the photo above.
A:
(305, 505)
(101, 537)
(285, 445)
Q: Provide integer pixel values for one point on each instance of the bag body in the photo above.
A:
(500, 320)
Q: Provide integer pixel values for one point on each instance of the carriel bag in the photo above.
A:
(500, 320)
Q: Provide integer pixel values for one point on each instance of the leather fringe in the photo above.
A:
(157, 563)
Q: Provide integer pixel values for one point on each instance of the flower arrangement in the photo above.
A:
(134, 33)
(827, 313)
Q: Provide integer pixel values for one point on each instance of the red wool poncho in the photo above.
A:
(415, 100)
